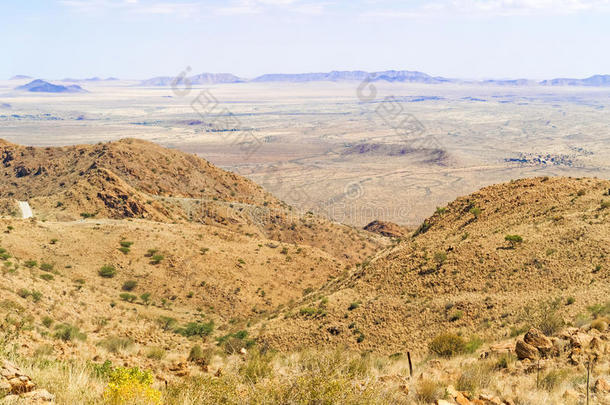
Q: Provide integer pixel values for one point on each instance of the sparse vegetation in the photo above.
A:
(129, 285)
(447, 345)
(68, 332)
(107, 271)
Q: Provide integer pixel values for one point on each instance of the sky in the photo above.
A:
(470, 39)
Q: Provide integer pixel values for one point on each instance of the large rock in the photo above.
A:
(525, 351)
(601, 386)
(16, 386)
(537, 339)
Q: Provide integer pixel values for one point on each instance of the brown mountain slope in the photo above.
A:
(459, 272)
(138, 179)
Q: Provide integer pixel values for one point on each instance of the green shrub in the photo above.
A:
(196, 329)
(86, 215)
(354, 305)
(513, 240)
(30, 264)
(475, 211)
(570, 300)
(47, 277)
(46, 266)
(473, 344)
(456, 316)
(129, 285)
(107, 271)
(166, 323)
(23, 293)
(145, 297)
(156, 259)
(151, 252)
(36, 295)
(128, 297)
(68, 332)
(47, 321)
(126, 244)
(447, 345)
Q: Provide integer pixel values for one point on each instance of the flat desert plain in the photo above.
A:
(351, 151)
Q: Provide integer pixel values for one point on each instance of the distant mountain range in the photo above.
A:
(400, 76)
(40, 86)
(204, 78)
(20, 77)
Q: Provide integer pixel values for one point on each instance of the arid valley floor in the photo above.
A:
(350, 151)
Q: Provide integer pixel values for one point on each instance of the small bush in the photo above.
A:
(166, 323)
(200, 356)
(156, 353)
(475, 211)
(46, 266)
(552, 379)
(258, 366)
(145, 298)
(456, 316)
(131, 386)
(47, 321)
(47, 277)
(126, 244)
(156, 259)
(68, 332)
(599, 324)
(196, 329)
(30, 264)
(23, 293)
(116, 344)
(474, 377)
(570, 300)
(447, 345)
(353, 305)
(107, 271)
(128, 297)
(36, 295)
(129, 285)
(429, 391)
(473, 344)
(513, 240)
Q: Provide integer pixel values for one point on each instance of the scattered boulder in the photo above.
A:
(525, 350)
(537, 339)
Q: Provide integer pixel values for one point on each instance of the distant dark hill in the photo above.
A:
(593, 81)
(510, 82)
(203, 78)
(20, 77)
(40, 86)
(90, 79)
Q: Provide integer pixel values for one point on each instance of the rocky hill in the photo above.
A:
(41, 86)
(481, 265)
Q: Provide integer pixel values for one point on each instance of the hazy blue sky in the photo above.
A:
(455, 38)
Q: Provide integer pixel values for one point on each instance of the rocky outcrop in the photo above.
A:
(388, 229)
(15, 385)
